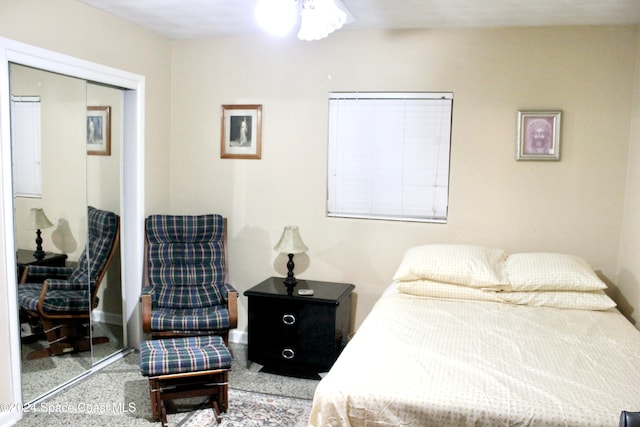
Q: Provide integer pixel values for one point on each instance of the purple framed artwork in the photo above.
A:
(538, 135)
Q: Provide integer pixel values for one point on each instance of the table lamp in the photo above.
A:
(290, 243)
(38, 221)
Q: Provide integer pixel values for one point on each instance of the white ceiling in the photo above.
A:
(185, 19)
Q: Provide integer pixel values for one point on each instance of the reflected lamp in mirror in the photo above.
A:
(38, 221)
(290, 243)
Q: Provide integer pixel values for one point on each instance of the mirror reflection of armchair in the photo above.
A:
(187, 291)
(60, 299)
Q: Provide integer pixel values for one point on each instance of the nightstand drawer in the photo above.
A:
(283, 331)
(293, 334)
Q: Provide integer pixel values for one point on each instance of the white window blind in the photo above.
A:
(25, 146)
(389, 155)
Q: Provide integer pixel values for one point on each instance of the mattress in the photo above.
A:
(417, 361)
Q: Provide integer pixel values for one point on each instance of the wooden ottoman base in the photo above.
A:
(193, 384)
(186, 367)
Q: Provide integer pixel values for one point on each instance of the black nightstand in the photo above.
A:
(298, 335)
(25, 257)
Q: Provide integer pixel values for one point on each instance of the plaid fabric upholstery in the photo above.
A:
(71, 300)
(185, 262)
(197, 295)
(66, 285)
(178, 355)
(72, 295)
(103, 226)
(42, 272)
(196, 319)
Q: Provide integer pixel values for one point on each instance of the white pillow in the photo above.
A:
(429, 288)
(467, 265)
(550, 272)
(588, 300)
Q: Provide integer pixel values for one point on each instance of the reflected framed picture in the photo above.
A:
(538, 135)
(241, 132)
(99, 131)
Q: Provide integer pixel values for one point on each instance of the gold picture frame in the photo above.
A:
(99, 131)
(241, 132)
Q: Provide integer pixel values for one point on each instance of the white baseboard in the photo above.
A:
(238, 337)
(9, 418)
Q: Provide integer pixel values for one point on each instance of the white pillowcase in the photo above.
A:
(550, 272)
(429, 288)
(586, 300)
(467, 265)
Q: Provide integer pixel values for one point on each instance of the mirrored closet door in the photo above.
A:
(66, 157)
(104, 106)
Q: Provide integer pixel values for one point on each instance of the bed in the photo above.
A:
(471, 336)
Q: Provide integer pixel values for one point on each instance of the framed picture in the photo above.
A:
(99, 131)
(539, 135)
(241, 132)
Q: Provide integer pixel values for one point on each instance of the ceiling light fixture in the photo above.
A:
(277, 17)
(318, 18)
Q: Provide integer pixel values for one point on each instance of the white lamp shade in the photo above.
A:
(38, 220)
(291, 242)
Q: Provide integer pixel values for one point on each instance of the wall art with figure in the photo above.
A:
(241, 132)
(538, 135)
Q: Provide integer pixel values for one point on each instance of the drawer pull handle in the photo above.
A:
(288, 353)
(288, 319)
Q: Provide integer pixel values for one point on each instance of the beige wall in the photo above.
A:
(574, 205)
(627, 289)
(68, 27)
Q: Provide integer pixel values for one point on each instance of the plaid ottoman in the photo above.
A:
(186, 367)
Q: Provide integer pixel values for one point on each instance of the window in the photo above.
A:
(389, 155)
(25, 146)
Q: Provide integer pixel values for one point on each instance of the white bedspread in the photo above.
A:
(425, 362)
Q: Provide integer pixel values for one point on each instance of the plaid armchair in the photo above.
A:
(60, 299)
(186, 288)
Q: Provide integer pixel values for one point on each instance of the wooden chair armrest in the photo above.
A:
(25, 276)
(232, 306)
(43, 295)
(145, 308)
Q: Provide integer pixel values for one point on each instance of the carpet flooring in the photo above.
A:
(118, 395)
(41, 375)
(249, 409)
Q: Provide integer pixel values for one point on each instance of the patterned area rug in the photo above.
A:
(250, 409)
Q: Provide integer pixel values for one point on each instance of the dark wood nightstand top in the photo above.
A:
(323, 292)
(25, 257)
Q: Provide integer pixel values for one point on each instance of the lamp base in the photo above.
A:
(39, 253)
(290, 281)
